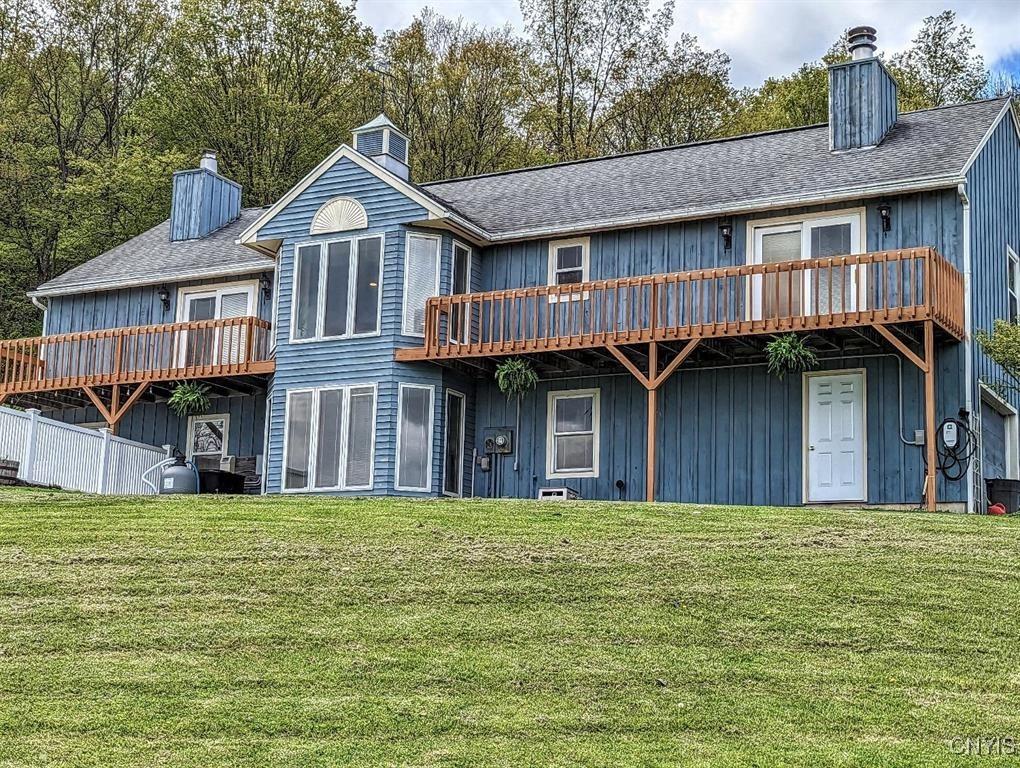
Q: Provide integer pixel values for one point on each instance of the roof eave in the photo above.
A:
(94, 286)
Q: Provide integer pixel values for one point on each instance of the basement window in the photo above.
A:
(572, 444)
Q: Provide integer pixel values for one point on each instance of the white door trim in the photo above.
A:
(806, 430)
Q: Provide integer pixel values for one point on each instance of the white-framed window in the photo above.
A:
(460, 282)
(337, 289)
(208, 437)
(569, 261)
(329, 439)
(414, 437)
(572, 444)
(810, 236)
(1012, 284)
(421, 279)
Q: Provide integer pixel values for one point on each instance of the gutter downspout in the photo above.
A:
(45, 310)
(968, 344)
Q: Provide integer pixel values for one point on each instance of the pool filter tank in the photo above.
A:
(179, 477)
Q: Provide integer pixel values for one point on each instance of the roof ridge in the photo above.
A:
(720, 140)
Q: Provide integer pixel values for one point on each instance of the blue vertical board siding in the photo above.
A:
(862, 103)
(346, 362)
(993, 185)
(132, 306)
(202, 202)
(155, 424)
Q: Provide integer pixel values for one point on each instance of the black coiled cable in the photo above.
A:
(953, 462)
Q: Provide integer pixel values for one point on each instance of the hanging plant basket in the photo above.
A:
(515, 377)
(789, 354)
(189, 399)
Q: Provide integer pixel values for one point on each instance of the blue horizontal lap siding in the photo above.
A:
(345, 362)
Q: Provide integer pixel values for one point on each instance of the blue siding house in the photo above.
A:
(349, 335)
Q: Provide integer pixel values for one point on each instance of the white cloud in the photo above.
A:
(764, 37)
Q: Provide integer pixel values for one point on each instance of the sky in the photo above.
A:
(767, 38)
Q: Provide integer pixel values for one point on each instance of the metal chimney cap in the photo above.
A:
(860, 42)
(208, 161)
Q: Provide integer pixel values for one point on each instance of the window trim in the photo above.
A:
(1013, 296)
(463, 447)
(439, 265)
(397, 485)
(752, 253)
(354, 257)
(208, 417)
(313, 438)
(551, 472)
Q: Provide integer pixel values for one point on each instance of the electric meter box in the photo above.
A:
(498, 440)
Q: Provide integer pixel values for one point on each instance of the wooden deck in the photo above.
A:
(872, 289)
(141, 355)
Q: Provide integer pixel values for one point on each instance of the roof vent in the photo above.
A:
(860, 42)
(382, 141)
(208, 161)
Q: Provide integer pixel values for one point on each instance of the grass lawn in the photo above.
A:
(305, 632)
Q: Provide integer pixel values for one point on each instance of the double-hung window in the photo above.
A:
(572, 448)
(336, 294)
(329, 439)
(1012, 284)
(568, 261)
(421, 279)
(414, 438)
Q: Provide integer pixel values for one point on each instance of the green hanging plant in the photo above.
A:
(515, 377)
(789, 354)
(189, 399)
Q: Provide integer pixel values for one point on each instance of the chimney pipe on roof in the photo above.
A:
(208, 161)
(860, 43)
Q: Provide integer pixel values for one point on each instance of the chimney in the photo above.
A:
(202, 201)
(383, 142)
(862, 95)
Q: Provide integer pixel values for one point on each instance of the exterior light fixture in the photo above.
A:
(267, 286)
(164, 297)
(885, 211)
(726, 231)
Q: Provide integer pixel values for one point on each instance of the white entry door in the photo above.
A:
(836, 458)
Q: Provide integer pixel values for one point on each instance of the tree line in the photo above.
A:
(101, 100)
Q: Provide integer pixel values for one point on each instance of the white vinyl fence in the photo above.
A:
(53, 453)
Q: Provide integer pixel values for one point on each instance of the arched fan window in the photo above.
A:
(339, 215)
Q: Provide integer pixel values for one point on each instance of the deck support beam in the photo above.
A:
(116, 411)
(926, 365)
(651, 382)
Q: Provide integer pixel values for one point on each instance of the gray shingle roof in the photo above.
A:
(730, 173)
(152, 258)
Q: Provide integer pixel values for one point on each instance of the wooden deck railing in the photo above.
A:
(200, 349)
(843, 291)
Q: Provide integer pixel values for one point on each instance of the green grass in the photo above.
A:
(306, 632)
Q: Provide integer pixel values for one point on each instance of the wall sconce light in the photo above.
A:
(164, 297)
(267, 286)
(885, 211)
(726, 230)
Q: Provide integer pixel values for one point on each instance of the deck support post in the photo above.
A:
(115, 406)
(116, 411)
(651, 383)
(930, 480)
(926, 364)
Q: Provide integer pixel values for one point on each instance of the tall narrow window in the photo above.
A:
(298, 440)
(329, 439)
(306, 299)
(1013, 284)
(573, 434)
(421, 280)
(360, 437)
(366, 301)
(460, 321)
(453, 444)
(414, 439)
(338, 279)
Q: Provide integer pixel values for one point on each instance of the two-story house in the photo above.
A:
(349, 333)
